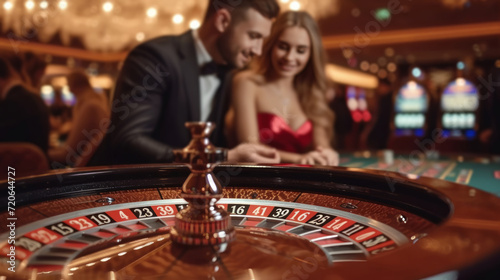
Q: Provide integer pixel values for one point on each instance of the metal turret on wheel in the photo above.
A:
(202, 222)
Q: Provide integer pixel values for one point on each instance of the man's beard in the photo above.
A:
(224, 48)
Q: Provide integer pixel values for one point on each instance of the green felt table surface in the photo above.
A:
(475, 171)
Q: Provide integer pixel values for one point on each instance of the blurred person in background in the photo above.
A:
(60, 119)
(343, 118)
(90, 121)
(34, 66)
(379, 129)
(489, 136)
(24, 117)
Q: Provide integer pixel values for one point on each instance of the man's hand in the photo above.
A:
(253, 153)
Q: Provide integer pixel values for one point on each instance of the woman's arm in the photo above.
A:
(322, 146)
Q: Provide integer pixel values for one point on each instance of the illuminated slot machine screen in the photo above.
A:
(410, 109)
(459, 105)
(356, 102)
(67, 96)
(47, 94)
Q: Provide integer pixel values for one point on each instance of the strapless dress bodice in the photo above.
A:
(274, 131)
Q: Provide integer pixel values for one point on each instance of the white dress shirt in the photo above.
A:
(208, 83)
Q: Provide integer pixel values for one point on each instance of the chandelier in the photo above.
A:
(113, 26)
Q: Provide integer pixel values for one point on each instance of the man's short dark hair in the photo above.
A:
(268, 8)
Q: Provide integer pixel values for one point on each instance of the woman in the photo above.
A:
(281, 100)
(90, 121)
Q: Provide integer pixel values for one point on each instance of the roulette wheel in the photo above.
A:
(270, 222)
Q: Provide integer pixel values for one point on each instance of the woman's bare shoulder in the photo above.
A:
(249, 77)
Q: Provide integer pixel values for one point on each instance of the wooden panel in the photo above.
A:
(170, 193)
(61, 206)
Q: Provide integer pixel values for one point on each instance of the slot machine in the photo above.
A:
(458, 116)
(67, 96)
(410, 107)
(48, 95)
(356, 100)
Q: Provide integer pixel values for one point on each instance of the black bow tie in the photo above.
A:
(211, 67)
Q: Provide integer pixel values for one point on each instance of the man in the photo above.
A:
(88, 114)
(490, 93)
(23, 115)
(380, 128)
(170, 80)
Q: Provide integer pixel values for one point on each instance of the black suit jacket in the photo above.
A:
(24, 118)
(156, 93)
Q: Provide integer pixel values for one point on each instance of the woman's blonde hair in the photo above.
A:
(311, 83)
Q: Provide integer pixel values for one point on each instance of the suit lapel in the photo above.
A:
(190, 74)
(221, 106)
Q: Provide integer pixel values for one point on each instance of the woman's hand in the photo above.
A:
(312, 158)
(253, 153)
(331, 156)
(321, 156)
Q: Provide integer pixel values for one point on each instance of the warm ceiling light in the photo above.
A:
(29, 5)
(151, 12)
(392, 67)
(374, 68)
(389, 51)
(355, 12)
(140, 36)
(348, 53)
(382, 61)
(284, 1)
(382, 73)
(62, 5)
(107, 7)
(295, 6)
(8, 6)
(364, 65)
(44, 4)
(194, 24)
(177, 18)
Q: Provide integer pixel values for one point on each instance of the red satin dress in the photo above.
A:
(275, 132)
